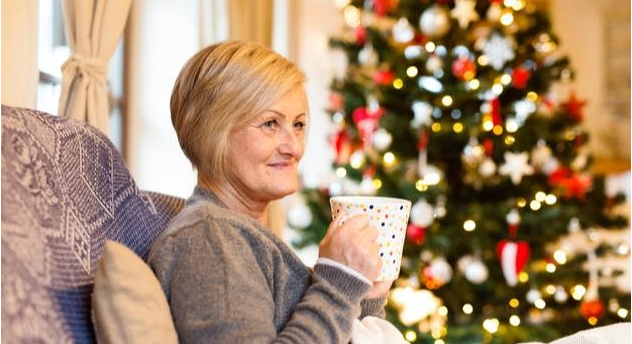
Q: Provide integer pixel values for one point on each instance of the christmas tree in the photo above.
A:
(448, 104)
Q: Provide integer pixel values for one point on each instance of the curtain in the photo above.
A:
(93, 29)
(251, 20)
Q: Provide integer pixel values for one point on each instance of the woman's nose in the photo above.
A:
(291, 143)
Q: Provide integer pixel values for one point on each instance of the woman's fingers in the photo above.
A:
(351, 241)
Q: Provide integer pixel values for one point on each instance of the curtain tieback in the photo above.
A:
(88, 66)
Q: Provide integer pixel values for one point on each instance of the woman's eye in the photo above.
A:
(271, 124)
(300, 125)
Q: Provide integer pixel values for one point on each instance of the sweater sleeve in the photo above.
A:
(373, 307)
(218, 294)
(370, 307)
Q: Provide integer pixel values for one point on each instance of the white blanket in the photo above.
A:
(372, 330)
(611, 334)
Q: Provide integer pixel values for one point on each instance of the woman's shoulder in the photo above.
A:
(202, 217)
(198, 227)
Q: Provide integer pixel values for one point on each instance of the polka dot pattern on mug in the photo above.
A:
(390, 217)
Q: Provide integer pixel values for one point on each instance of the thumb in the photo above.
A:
(338, 221)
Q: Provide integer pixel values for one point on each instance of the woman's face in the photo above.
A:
(264, 154)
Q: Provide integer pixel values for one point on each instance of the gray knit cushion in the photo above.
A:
(65, 191)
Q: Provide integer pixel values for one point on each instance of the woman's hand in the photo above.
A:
(379, 289)
(353, 243)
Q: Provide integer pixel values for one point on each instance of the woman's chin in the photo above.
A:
(282, 192)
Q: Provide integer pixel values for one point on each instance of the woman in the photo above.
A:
(240, 113)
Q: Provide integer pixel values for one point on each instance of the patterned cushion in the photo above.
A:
(65, 191)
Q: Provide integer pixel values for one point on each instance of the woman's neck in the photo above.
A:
(237, 201)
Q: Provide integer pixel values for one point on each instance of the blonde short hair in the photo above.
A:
(221, 87)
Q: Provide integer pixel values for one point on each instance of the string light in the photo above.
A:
(623, 249)
(550, 268)
(578, 291)
(398, 83)
(352, 16)
(518, 5)
(468, 309)
(569, 135)
(469, 225)
(498, 129)
(560, 257)
(514, 320)
(550, 199)
(432, 178)
(446, 100)
(535, 205)
(521, 202)
(532, 96)
(410, 336)
(443, 310)
(509, 140)
(412, 71)
(507, 17)
(436, 127)
(592, 321)
(497, 89)
(505, 79)
(488, 125)
(550, 289)
(377, 184)
(622, 313)
(540, 196)
(439, 341)
(338, 117)
(421, 185)
(509, 3)
(389, 159)
(457, 127)
(540, 304)
(514, 303)
(491, 325)
(523, 277)
(341, 172)
(356, 160)
(474, 84)
(430, 47)
(482, 60)
(511, 125)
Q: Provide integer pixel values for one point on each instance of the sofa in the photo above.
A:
(65, 192)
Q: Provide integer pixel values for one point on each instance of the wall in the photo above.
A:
(581, 27)
(19, 52)
(314, 22)
(163, 35)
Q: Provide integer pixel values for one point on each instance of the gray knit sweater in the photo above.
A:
(230, 280)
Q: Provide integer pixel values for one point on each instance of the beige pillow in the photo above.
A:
(128, 303)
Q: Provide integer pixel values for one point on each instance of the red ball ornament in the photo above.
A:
(381, 7)
(488, 146)
(384, 77)
(520, 77)
(592, 308)
(464, 69)
(360, 35)
(416, 234)
(343, 146)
